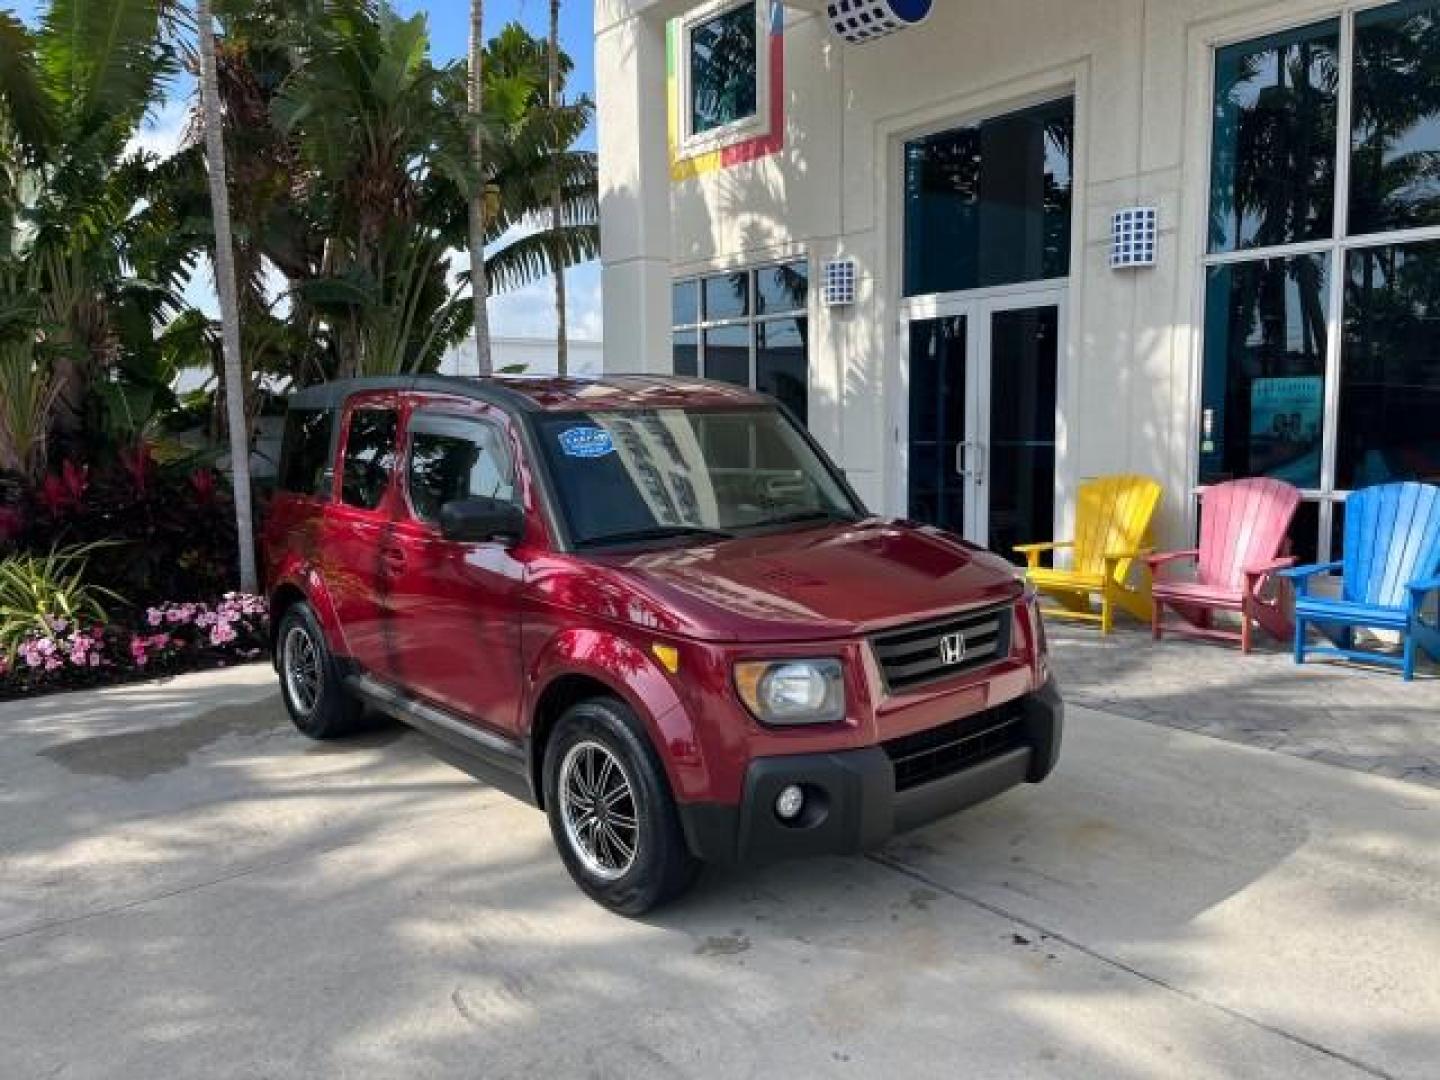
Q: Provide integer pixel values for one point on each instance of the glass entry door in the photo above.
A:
(980, 431)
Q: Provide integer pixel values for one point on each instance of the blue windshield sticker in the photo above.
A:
(586, 442)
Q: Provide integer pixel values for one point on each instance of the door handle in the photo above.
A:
(394, 560)
(965, 465)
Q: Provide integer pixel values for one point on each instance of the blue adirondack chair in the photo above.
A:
(1391, 563)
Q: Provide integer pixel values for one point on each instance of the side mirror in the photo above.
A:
(479, 520)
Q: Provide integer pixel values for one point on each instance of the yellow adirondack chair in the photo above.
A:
(1112, 531)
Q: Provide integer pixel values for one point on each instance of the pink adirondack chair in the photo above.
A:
(1243, 526)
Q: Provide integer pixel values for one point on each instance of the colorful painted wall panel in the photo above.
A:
(686, 166)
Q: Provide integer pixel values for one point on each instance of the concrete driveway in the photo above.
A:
(189, 889)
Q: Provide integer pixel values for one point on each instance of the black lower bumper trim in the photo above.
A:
(851, 804)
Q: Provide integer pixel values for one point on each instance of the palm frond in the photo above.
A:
(539, 254)
(25, 105)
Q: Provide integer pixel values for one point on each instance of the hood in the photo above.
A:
(834, 581)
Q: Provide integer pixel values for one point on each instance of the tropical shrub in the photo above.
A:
(46, 596)
(167, 529)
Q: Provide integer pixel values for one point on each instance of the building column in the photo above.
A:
(634, 189)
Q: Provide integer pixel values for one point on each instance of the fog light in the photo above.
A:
(790, 802)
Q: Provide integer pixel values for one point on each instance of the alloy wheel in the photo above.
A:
(597, 804)
(300, 658)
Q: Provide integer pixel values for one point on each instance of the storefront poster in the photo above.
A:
(1285, 420)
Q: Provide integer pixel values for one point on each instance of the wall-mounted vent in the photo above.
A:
(838, 286)
(859, 21)
(1132, 238)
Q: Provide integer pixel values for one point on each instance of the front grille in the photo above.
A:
(914, 655)
(948, 749)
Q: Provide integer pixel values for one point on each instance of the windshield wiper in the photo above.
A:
(808, 515)
(657, 532)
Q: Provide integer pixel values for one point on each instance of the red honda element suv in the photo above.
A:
(658, 602)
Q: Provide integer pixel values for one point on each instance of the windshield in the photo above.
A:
(639, 475)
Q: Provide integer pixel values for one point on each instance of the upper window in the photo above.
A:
(723, 54)
(1395, 119)
(306, 466)
(1272, 170)
(369, 457)
(454, 457)
(747, 327)
(989, 204)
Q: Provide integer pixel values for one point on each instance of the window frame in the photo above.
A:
(757, 124)
(418, 415)
(749, 321)
(1336, 248)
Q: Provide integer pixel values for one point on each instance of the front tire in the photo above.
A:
(311, 681)
(610, 810)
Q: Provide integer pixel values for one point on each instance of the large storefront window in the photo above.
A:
(989, 204)
(747, 327)
(1322, 327)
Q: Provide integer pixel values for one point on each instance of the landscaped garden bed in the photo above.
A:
(118, 570)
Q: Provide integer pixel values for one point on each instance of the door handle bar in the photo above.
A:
(965, 464)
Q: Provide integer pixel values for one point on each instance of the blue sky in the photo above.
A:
(528, 312)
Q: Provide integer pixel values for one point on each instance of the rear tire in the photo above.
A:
(311, 680)
(611, 812)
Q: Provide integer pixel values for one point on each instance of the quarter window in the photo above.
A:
(724, 65)
(747, 327)
(1322, 311)
(456, 458)
(369, 457)
(306, 468)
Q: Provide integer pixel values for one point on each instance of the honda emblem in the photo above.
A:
(952, 649)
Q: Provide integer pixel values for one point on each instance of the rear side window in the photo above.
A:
(369, 457)
(305, 457)
(453, 457)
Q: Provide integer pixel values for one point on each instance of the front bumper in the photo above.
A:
(852, 803)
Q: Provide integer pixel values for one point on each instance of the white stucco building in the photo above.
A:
(969, 170)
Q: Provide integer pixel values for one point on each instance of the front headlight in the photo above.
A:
(792, 691)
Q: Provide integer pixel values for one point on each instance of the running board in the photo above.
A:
(443, 725)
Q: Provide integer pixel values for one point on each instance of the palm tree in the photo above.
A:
(532, 159)
(350, 157)
(562, 345)
(479, 283)
(229, 302)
